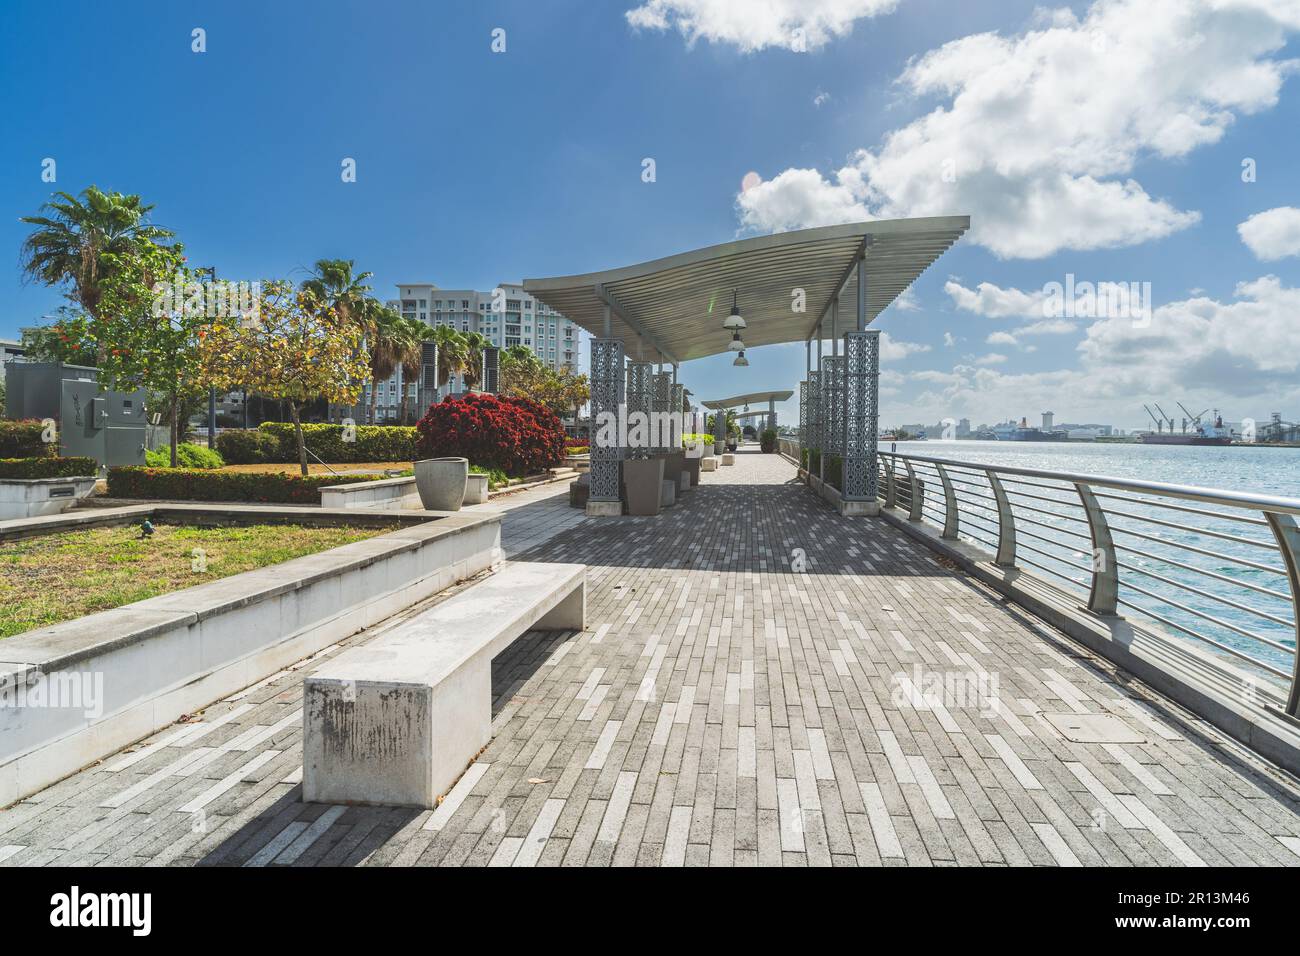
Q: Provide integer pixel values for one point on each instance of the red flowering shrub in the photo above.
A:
(517, 435)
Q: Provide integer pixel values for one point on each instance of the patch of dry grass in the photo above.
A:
(63, 576)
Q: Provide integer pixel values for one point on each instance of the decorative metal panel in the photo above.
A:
(640, 402)
(678, 403)
(803, 419)
(833, 388)
(814, 410)
(606, 397)
(661, 404)
(861, 409)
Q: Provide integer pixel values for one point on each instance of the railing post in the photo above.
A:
(1287, 533)
(891, 489)
(1006, 556)
(1103, 598)
(950, 516)
(917, 494)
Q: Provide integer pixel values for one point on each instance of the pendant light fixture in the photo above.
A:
(734, 323)
(735, 345)
(741, 360)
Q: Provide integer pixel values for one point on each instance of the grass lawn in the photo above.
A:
(63, 576)
(293, 468)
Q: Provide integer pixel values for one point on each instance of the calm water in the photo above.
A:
(1052, 538)
(1260, 470)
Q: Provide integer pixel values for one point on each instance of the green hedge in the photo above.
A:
(22, 439)
(48, 467)
(275, 442)
(196, 484)
(187, 456)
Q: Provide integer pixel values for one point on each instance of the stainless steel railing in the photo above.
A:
(1226, 576)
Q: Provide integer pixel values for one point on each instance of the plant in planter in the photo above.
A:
(767, 441)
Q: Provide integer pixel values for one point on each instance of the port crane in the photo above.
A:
(1161, 419)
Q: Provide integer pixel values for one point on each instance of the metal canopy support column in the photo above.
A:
(661, 403)
(640, 403)
(607, 393)
(861, 410)
(771, 413)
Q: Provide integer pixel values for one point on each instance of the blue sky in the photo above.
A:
(1101, 140)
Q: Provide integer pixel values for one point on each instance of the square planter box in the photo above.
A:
(643, 479)
(692, 470)
(476, 489)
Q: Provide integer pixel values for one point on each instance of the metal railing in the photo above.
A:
(788, 447)
(1226, 576)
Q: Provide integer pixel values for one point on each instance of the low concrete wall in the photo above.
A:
(133, 670)
(391, 493)
(1242, 705)
(31, 497)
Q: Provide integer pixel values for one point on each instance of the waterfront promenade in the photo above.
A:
(750, 690)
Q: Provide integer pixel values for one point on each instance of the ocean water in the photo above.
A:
(1244, 589)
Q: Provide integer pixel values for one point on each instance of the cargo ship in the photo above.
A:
(1200, 434)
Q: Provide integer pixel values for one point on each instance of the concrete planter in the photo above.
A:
(643, 479)
(32, 497)
(692, 470)
(674, 463)
(694, 451)
(476, 489)
(441, 483)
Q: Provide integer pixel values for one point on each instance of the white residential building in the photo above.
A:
(506, 316)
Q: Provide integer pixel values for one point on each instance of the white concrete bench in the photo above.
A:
(396, 721)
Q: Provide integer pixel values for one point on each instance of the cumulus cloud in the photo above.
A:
(1038, 135)
(994, 302)
(1243, 352)
(892, 349)
(1272, 234)
(752, 25)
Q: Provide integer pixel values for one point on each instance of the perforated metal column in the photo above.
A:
(814, 411)
(660, 404)
(862, 414)
(678, 401)
(833, 387)
(606, 397)
(640, 402)
(803, 419)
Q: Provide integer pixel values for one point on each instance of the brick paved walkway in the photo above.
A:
(722, 708)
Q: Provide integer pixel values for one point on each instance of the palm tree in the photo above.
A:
(475, 343)
(73, 234)
(409, 352)
(382, 339)
(337, 285)
(452, 352)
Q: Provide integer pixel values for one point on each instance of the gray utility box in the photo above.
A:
(106, 426)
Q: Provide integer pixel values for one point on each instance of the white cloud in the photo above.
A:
(1243, 353)
(994, 302)
(1042, 131)
(892, 350)
(821, 98)
(1273, 234)
(948, 339)
(1001, 338)
(993, 358)
(907, 301)
(798, 198)
(754, 25)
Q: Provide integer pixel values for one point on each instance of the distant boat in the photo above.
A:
(1214, 434)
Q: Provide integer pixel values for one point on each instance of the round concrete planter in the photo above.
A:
(441, 483)
(476, 489)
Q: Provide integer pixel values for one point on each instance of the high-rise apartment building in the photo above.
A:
(506, 316)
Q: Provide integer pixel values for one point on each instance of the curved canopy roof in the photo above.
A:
(752, 397)
(675, 306)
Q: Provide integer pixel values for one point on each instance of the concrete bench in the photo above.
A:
(396, 721)
(728, 458)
